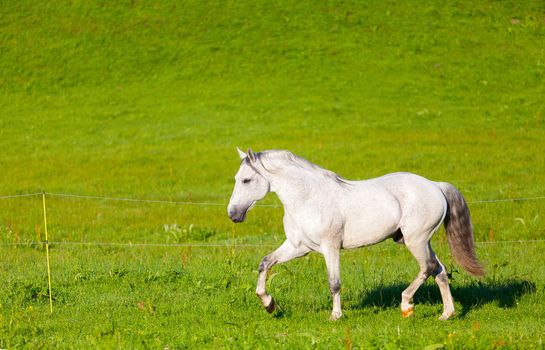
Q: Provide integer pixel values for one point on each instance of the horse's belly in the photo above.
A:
(362, 237)
(370, 228)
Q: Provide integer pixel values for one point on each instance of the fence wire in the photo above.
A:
(519, 199)
(143, 200)
(116, 244)
(22, 195)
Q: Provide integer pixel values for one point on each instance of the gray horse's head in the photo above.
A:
(250, 186)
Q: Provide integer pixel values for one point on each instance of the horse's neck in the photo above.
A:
(295, 188)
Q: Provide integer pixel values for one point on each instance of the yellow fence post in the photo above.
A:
(47, 255)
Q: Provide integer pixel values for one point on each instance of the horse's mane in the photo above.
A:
(274, 160)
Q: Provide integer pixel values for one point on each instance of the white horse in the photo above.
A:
(324, 213)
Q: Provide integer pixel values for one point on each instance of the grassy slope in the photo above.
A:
(149, 99)
(133, 91)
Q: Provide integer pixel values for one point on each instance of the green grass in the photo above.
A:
(148, 99)
(187, 297)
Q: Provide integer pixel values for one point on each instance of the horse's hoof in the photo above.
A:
(271, 307)
(335, 316)
(408, 312)
(445, 316)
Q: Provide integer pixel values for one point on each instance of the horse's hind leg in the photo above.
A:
(284, 253)
(423, 254)
(441, 278)
(429, 265)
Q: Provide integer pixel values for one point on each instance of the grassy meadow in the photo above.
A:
(148, 100)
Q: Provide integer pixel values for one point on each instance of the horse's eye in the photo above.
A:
(245, 181)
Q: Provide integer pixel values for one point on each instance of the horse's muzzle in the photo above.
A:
(236, 215)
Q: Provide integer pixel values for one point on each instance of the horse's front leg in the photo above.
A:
(332, 257)
(284, 253)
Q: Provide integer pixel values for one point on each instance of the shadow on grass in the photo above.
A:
(504, 294)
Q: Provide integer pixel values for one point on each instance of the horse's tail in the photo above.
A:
(460, 231)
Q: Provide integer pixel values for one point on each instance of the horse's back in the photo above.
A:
(408, 187)
(403, 182)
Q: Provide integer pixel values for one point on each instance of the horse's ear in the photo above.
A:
(241, 154)
(251, 155)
